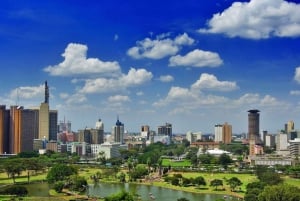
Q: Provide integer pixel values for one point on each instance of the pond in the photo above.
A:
(146, 192)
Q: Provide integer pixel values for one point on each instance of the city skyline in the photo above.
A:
(192, 64)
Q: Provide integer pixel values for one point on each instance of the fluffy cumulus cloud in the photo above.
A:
(135, 77)
(77, 98)
(118, 98)
(210, 82)
(196, 58)
(295, 92)
(257, 19)
(166, 78)
(160, 47)
(77, 63)
(297, 74)
(28, 92)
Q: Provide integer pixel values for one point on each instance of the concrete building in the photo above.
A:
(281, 141)
(269, 140)
(91, 136)
(295, 147)
(165, 130)
(266, 161)
(111, 150)
(218, 133)
(145, 131)
(223, 133)
(193, 137)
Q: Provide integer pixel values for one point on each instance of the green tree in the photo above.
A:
(13, 167)
(280, 193)
(16, 190)
(216, 182)
(122, 196)
(60, 172)
(268, 176)
(182, 199)
(225, 160)
(77, 183)
(199, 181)
(139, 172)
(58, 186)
(234, 182)
(253, 190)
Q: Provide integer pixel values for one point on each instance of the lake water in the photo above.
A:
(145, 191)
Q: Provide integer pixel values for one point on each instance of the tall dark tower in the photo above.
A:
(46, 93)
(253, 122)
(253, 130)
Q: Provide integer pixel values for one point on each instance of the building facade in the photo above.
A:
(165, 130)
(118, 132)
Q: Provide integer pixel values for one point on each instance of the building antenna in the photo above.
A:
(18, 96)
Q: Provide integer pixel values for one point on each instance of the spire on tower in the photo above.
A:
(46, 92)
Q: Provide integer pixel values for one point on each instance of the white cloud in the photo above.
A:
(139, 93)
(136, 77)
(159, 47)
(28, 92)
(77, 98)
(196, 58)
(77, 63)
(295, 92)
(133, 78)
(118, 98)
(297, 74)
(166, 78)
(210, 82)
(257, 19)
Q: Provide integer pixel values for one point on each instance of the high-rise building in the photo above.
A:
(29, 128)
(218, 133)
(53, 125)
(253, 130)
(289, 127)
(15, 129)
(227, 133)
(47, 119)
(281, 142)
(4, 129)
(118, 132)
(165, 130)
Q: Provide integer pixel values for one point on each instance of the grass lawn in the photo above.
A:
(183, 163)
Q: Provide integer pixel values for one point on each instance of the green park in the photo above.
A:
(68, 178)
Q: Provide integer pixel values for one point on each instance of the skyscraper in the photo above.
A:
(47, 119)
(4, 130)
(53, 125)
(218, 133)
(253, 130)
(15, 129)
(118, 132)
(227, 133)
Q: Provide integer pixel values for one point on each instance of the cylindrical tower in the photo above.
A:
(253, 123)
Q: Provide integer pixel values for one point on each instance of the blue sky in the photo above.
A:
(190, 63)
